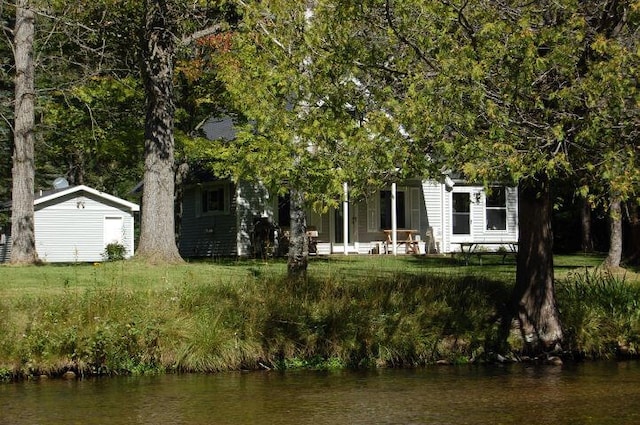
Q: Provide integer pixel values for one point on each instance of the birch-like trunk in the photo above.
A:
(298, 242)
(615, 235)
(22, 213)
(157, 229)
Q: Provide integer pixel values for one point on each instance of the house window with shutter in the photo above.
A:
(215, 200)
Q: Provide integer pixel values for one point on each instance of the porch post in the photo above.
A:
(394, 219)
(345, 217)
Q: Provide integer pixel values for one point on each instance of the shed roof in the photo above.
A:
(44, 196)
(57, 193)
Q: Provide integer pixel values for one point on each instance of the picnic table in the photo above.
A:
(406, 237)
(468, 249)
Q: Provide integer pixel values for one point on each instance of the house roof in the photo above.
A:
(48, 195)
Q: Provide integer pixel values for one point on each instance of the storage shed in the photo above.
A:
(76, 223)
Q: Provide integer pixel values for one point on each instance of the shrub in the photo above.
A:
(114, 252)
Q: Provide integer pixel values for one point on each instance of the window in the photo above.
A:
(215, 200)
(461, 217)
(496, 209)
(385, 209)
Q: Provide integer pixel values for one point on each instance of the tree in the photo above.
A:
(167, 26)
(91, 97)
(615, 235)
(22, 213)
(157, 242)
(305, 110)
(585, 225)
(7, 94)
(499, 91)
(518, 88)
(64, 57)
(92, 134)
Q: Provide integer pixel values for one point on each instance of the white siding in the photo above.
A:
(479, 232)
(71, 228)
(433, 194)
(5, 249)
(252, 202)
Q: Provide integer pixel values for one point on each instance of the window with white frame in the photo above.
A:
(215, 199)
(496, 208)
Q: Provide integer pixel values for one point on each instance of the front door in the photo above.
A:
(338, 229)
(461, 214)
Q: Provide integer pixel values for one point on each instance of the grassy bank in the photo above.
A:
(126, 317)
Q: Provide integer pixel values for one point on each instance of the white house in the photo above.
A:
(415, 216)
(421, 216)
(76, 223)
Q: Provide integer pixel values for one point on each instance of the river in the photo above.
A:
(587, 393)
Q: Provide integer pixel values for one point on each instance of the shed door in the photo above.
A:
(113, 230)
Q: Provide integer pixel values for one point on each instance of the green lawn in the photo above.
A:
(39, 280)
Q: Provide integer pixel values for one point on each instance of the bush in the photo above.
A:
(114, 252)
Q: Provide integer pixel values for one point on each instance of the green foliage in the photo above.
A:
(305, 108)
(600, 312)
(114, 252)
(94, 134)
(378, 88)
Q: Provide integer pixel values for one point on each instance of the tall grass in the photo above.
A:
(258, 322)
(600, 313)
(125, 319)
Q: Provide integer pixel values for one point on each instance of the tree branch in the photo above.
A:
(266, 31)
(402, 38)
(187, 40)
(7, 121)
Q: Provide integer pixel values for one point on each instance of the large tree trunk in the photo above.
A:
(22, 228)
(615, 235)
(298, 242)
(157, 230)
(534, 293)
(585, 222)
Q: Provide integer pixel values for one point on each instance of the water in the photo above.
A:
(597, 393)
